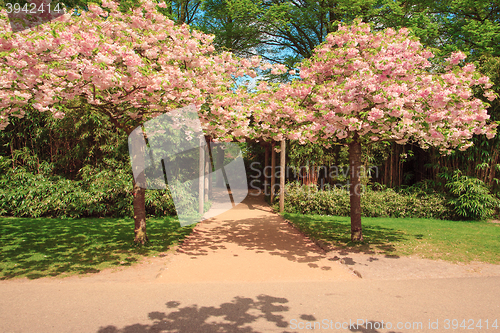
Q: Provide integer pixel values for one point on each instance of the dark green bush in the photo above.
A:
(389, 203)
(98, 193)
(386, 203)
(159, 203)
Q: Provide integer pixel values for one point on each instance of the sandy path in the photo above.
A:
(250, 243)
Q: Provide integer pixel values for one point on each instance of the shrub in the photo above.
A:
(385, 203)
(159, 202)
(389, 203)
(471, 198)
(99, 192)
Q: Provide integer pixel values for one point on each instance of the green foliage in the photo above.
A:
(207, 205)
(5, 164)
(159, 203)
(393, 204)
(474, 27)
(306, 199)
(385, 203)
(472, 199)
(231, 23)
(42, 144)
(25, 194)
(31, 162)
(422, 188)
(97, 193)
(72, 167)
(185, 196)
(309, 154)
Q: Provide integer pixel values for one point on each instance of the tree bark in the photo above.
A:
(207, 170)
(273, 171)
(219, 163)
(183, 12)
(210, 167)
(201, 181)
(139, 202)
(282, 175)
(355, 189)
(309, 176)
(266, 163)
(391, 174)
(492, 164)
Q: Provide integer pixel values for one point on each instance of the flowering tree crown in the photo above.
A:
(131, 67)
(379, 86)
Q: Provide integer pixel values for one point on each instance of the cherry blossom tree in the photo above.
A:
(361, 87)
(130, 67)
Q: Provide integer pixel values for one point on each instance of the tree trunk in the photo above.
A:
(400, 166)
(210, 167)
(139, 214)
(266, 174)
(355, 189)
(386, 171)
(282, 175)
(219, 163)
(492, 164)
(139, 185)
(207, 170)
(183, 13)
(391, 173)
(310, 176)
(273, 170)
(201, 181)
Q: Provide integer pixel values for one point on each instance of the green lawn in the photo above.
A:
(38, 247)
(455, 241)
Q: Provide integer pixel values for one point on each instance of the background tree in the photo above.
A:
(82, 138)
(310, 162)
(234, 29)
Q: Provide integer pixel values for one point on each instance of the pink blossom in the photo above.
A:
(59, 115)
(390, 32)
(469, 68)
(404, 31)
(456, 57)
(375, 114)
(58, 76)
(465, 94)
(490, 95)
(481, 117)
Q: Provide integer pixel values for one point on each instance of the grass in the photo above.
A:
(40, 247)
(454, 241)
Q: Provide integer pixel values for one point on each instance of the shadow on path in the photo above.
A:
(234, 316)
(250, 243)
(251, 225)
